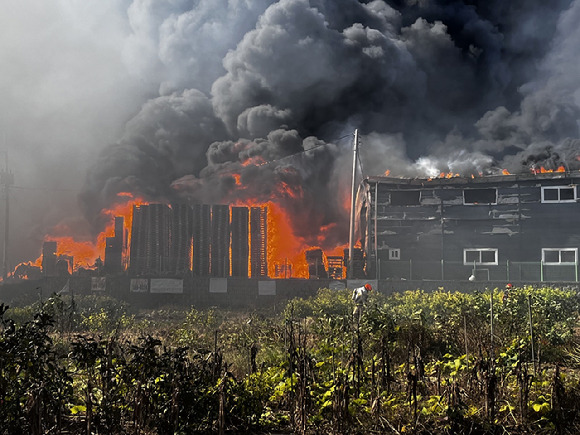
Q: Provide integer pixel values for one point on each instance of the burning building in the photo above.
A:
(207, 240)
(507, 227)
(114, 248)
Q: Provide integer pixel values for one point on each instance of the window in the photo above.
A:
(483, 256)
(559, 194)
(560, 255)
(480, 196)
(394, 254)
(406, 197)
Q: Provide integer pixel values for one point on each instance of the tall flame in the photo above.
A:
(84, 253)
(285, 250)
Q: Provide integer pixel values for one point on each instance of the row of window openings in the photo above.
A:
(552, 194)
(488, 256)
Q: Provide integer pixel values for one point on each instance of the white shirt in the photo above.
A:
(360, 295)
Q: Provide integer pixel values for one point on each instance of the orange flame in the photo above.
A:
(387, 172)
(285, 250)
(84, 253)
(283, 246)
(254, 160)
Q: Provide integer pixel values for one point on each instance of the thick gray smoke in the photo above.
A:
(271, 92)
(268, 90)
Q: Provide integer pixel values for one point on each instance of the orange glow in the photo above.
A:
(387, 172)
(238, 179)
(347, 202)
(543, 170)
(283, 246)
(124, 210)
(285, 250)
(505, 172)
(448, 175)
(255, 160)
(84, 253)
(289, 191)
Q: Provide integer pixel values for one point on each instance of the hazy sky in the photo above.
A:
(170, 98)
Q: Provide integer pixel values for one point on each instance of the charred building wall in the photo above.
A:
(220, 241)
(49, 258)
(150, 239)
(240, 237)
(180, 238)
(259, 241)
(201, 239)
(510, 227)
(114, 248)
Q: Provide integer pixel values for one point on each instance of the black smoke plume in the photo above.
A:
(271, 91)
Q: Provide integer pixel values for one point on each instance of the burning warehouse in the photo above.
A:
(497, 228)
(207, 240)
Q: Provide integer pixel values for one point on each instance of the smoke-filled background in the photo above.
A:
(220, 101)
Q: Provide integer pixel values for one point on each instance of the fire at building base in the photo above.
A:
(418, 232)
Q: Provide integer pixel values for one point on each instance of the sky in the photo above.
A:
(178, 99)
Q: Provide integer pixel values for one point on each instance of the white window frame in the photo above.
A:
(480, 250)
(559, 250)
(559, 188)
(394, 254)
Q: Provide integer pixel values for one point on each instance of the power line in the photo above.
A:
(305, 151)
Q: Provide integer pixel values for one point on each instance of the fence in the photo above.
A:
(452, 270)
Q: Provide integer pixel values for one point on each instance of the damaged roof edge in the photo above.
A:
(484, 179)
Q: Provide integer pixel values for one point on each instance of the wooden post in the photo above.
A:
(532, 332)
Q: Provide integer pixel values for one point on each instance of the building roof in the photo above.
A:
(451, 180)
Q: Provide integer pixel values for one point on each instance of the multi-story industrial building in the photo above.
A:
(507, 227)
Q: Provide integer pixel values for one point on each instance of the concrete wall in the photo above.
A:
(240, 294)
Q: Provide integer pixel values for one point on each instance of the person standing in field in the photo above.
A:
(360, 296)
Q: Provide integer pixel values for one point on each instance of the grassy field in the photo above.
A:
(417, 362)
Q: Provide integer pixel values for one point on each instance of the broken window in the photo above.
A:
(560, 255)
(480, 256)
(406, 197)
(480, 196)
(559, 194)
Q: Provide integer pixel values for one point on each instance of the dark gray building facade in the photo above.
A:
(492, 228)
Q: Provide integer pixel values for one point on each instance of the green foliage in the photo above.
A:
(34, 384)
(329, 302)
(416, 362)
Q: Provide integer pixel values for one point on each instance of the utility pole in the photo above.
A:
(352, 207)
(6, 180)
